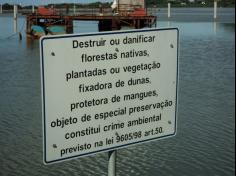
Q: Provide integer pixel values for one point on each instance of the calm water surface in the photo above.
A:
(205, 142)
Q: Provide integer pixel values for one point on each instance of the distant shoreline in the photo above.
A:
(109, 9)
(225, 15)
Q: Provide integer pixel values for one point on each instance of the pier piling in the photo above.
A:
(215, 9)
(33, 9)
(15, 19)
(0, 8)
(169, 6)
(74, 9)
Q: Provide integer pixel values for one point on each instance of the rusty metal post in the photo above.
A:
(118, 6)
(138, 24)
(145, 7)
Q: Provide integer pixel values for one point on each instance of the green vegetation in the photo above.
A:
(63, 5)
(7, 6)
(90, 5)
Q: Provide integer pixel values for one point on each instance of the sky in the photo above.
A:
(41, 2)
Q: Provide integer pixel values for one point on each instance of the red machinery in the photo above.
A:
(139, 12)
(46, 11)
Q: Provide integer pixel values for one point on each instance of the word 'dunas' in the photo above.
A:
(102, 42)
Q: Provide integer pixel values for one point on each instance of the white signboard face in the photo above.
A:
(105, 91)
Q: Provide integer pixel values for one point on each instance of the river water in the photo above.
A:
(205, 140)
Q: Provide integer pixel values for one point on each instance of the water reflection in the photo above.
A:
(169, 24)
(227, 27)
(215, 27)
(30, 42)
(198, 28)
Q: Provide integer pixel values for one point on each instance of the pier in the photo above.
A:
(50, 21)
(105, 22)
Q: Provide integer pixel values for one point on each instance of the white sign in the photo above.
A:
(105, 91)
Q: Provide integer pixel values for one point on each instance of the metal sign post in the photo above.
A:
(112, 163)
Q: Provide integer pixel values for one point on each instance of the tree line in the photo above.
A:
(188, 3)
(149, 3)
